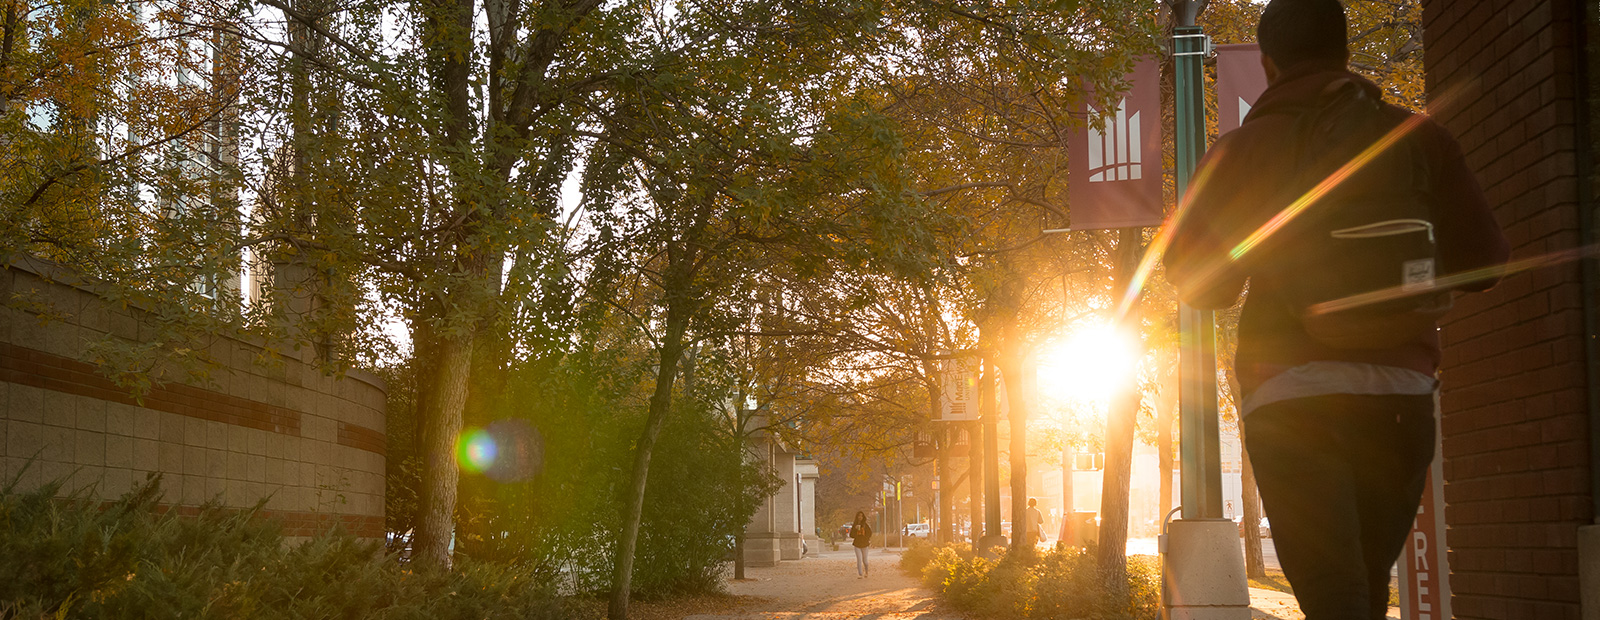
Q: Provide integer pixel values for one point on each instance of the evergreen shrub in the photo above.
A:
(72, 557)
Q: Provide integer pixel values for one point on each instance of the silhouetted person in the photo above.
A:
(1338, 406)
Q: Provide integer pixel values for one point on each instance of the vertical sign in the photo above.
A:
(1240, 82)
(960, 382)
(1115, 159)
(1424, 562)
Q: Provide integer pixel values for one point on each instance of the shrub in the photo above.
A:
(1076, 589)
(72, 558)
(960, 578)
(1064, 583)
(563, 512)
(916, 557)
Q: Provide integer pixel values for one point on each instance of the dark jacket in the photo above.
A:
(1239, 185)
(861, 535)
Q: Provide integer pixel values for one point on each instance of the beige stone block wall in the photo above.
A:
(251, 431)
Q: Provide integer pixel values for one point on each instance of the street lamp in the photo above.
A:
(1204, 566)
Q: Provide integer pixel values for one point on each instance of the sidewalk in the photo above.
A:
(1274, 605)
(826, 588)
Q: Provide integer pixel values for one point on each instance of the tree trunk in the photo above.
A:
(1116, 478)
(1120, 417)
(1017, 398)
(1164, 446)
(1254, 565)
(660, 406)
(451, 22)
(738, 555)
(441, 410)
(990, 412)
(941, 440)
(743, 455)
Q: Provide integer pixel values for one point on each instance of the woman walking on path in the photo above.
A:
(861, 535)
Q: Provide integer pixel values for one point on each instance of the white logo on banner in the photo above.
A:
(1115, 154)
(1244, 110)
(960, 400)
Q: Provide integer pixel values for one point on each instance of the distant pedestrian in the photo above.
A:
(1033, 527)
(1337, 400)
(861, 537)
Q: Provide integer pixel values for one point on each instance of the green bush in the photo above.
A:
(961, 578)
(917, 557)
(72, 558)
(1064, 583)
(564, 511)
(1077, 591)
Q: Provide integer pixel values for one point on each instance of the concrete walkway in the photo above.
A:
(826, 588)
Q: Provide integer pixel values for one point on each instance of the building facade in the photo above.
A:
(263, 425)
(784, 526)
(1513, 81)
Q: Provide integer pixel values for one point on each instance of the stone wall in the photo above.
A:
(260, 426)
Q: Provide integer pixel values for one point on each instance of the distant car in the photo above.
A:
(1263, 529)
(917, 530)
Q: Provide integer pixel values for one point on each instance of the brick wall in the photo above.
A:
(1500, 77)
(310, 443)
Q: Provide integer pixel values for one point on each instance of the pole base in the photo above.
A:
(1203, 571)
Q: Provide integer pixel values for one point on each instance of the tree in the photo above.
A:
(117, 135)
(989, 100)
(1121, 420)
(434, 169)
(703, 171)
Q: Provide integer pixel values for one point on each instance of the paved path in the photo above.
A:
(826, 588)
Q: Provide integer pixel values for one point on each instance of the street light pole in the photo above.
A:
(1203, 564)
(1197, 371)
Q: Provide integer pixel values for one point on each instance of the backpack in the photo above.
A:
(1357, 265)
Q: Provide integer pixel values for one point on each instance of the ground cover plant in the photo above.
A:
(1059, 583)
(70, 557)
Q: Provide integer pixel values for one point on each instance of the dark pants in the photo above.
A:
(1341, 477)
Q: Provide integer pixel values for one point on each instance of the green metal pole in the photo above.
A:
(1197, 393)
(991, 451)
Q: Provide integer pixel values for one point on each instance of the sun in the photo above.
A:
(1089, 366)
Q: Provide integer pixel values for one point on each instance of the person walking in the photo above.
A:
(1338, 395)
(1034, 524)
(861, 538)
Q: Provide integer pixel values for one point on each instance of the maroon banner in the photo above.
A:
(1115, 169)
(1240, 81)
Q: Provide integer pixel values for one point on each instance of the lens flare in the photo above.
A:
(476, 450)
(1453, 281)
(1201, 275)
(1333, 180)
